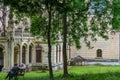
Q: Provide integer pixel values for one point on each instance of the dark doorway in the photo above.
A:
(38, 54)
(1, 59)
(30, 54)
(23, 54)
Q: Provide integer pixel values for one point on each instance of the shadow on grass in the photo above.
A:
(74, 76)
(92, 76)
(89, 76)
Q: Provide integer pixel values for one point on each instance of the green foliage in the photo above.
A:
(35, 9)
(39, 26)
(79, 3)
(24, 6)
(77, 22)
(116, 14)
(77, 17)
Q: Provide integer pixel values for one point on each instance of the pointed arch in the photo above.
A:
(30, 52)
(24, 47)
(17, 54)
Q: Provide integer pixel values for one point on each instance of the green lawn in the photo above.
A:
(77, 72)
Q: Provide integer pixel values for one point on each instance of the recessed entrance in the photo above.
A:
(1, 59)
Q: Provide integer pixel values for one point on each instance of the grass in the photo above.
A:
(77, 73)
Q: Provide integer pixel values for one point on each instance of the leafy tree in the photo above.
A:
(75, 15)
(75, 23)
(70, 12)
(37, 8)
(116, 14)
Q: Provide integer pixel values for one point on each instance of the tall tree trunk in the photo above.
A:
(49, 45)
(65, 69)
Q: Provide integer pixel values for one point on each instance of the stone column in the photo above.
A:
(19, 56)
(68, 53)
(6, 57)
(27, 54)
(12, 54)
(6, 60)
(58, 54)
(53, 54)
(33, 55)
(20, 53)
(61, 54)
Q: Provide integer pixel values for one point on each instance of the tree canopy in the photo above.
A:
(116, 14)
(80, 19)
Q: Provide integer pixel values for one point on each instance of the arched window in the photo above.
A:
(1, 57)
(16, 54)
(23, 54)
(99, 53)
(30, 54)
(112, 32)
